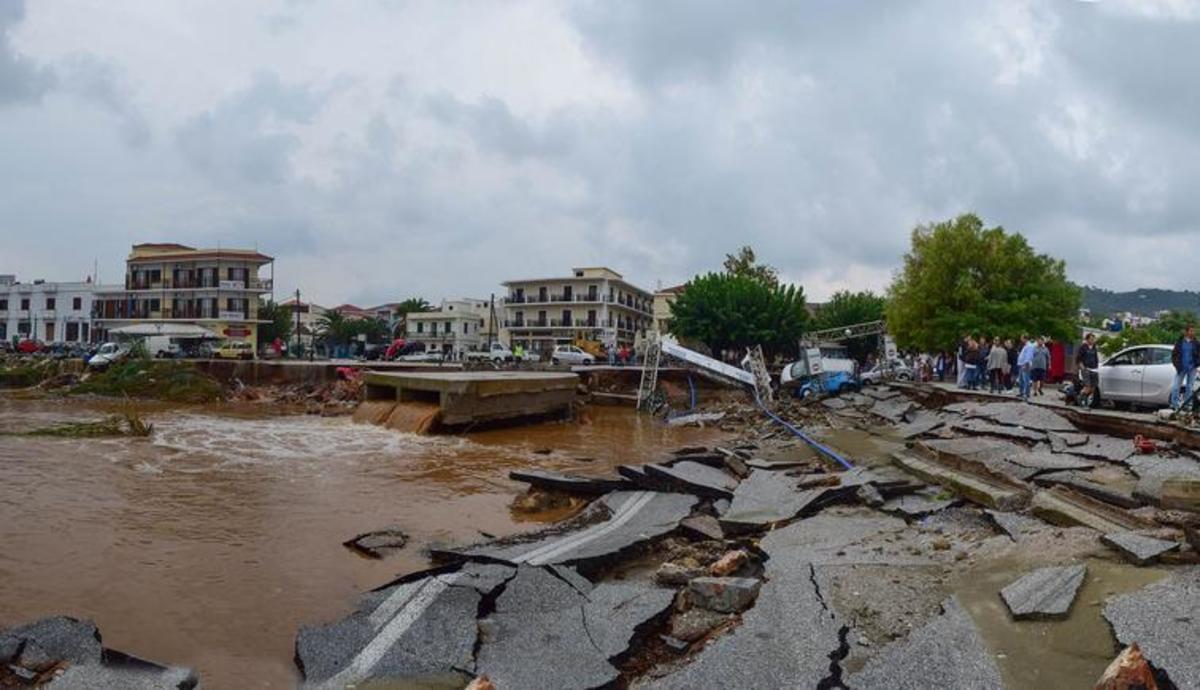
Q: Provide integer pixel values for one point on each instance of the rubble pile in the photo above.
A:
(764, 563)
(326, 399)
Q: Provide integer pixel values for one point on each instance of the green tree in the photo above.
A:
(959, 277)
(847, 308)
(728, 311)
(279, 323)
(334, 329)
(408, 306)
(1164, 331)
(744, 263)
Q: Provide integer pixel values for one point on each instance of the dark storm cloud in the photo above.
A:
(20, 79)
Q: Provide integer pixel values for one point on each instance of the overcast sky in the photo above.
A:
(383, 149)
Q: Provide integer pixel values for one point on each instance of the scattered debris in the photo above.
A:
(723, 594)
(1129, 671)
(1164, 620)
(377, 544)
(729, 564)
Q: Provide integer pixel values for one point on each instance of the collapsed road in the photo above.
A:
(766, 565)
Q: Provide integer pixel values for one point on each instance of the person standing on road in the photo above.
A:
(963, 346)
(1185, 357)
(1025, 365)
(981, 373)
(972, 363)
(1041, 363)
(1011, 379)
(1087, 360)
(997, 366)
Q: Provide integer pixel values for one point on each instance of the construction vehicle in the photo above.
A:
(589, 345)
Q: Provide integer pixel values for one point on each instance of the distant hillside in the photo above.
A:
(1144, 301)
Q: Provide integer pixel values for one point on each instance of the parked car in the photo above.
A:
(235, 349)
(108, 354)
(423, 356)
(498, 352)
(571, 355)
(28, 346)
(895, 369)
(1140, 375)
(834, 383)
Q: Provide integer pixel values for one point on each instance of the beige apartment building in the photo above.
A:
(595, 303)
(185, 292)
(663, 299)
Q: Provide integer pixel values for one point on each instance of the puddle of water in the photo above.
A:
(860, 447)
(211, 543)
(1069, 654)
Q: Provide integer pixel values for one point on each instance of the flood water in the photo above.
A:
(210, 543)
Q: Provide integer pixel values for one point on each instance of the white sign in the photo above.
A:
(232, 285)
(813, 355)
(231, 316)
(889, 348)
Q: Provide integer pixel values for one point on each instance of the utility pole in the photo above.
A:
(491, 321)
(296, 308)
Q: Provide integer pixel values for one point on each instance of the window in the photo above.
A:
(465, 325)
(1158, 356)
(24, 304)
(50, 302)
(3, 305)
(420, 327)
(449, 330)
(155, 304)
(578, 274)
(76, 303)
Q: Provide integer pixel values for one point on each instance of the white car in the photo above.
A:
(429, 356)
(1140, 375)
(569, 354)
(109, 353)
(894, 369)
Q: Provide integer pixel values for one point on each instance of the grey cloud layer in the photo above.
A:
(818, 132)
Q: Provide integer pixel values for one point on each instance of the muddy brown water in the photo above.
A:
(212, 542)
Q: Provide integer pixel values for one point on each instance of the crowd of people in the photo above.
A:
(999, 365)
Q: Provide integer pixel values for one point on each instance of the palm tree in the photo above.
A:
(334, 329)
(408, 306)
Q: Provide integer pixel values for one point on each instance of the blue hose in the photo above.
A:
(817, 445)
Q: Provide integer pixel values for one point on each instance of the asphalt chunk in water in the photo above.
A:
(70, 651)
(1137, 548)
(1164, 619)
(947, 653)
(632, 518)
(1045, 592)
(570, 483)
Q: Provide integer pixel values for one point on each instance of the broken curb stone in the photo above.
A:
(1045, 592)
(1138, 548)
(729, 564)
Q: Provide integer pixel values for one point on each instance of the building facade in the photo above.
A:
(215, 292)
(593, 303)
(306, 315)
(663, 299)
(50, 312)
(457, 327)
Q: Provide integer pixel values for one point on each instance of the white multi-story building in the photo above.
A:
(457, 327)
(595, 303)
(50, 312)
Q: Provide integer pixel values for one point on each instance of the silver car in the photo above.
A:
(1140, 375)
(569, 354)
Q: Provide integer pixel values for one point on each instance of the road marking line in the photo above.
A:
(636, 503)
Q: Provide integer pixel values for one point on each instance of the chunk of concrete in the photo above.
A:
(1066, 508)
(695, 478)
(630, 518)
(918, 504)
(1060, 442)
(979, 427)
(985, 491)
(723, 594)
(1097, 447)
(947, 653)
(702, 527)
(673, 574)
(1015, 525)
(570, 483)
(1138, 548)
(1045, 592)
(1019, 414)
(1080, 483)
(922, 423)
(1164, 620)
(894, 409)
(693, 624)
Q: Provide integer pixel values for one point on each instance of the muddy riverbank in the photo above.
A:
(212, 542)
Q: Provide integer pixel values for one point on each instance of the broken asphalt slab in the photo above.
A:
(986, 491)
(1020, 414)
(629, 518)
(1138, 548)
(1107, 448)
(922, 423)
(420, 627)
(695, 478)
(1045, 592)
(979, 427)
(1015, 525)
(546, 633)
(570, 483)
(75, 646)
(918, 504)
(1080, 483)
(1164, 619)
(1154, 471)
(767, 497)
(377, 544)
(947, 652)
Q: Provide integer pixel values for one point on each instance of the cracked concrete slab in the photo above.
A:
(894, 409)
(633, 517)
(1044, 593)
(767, 497)
(1082, 484)
(1060, 442)
(948, 652)
(918, 504)
(922, 423)
(1015, 525)
(1098, 447)
(1020, 414)
(1164, 619)
(1154, 471)
(980, 427)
